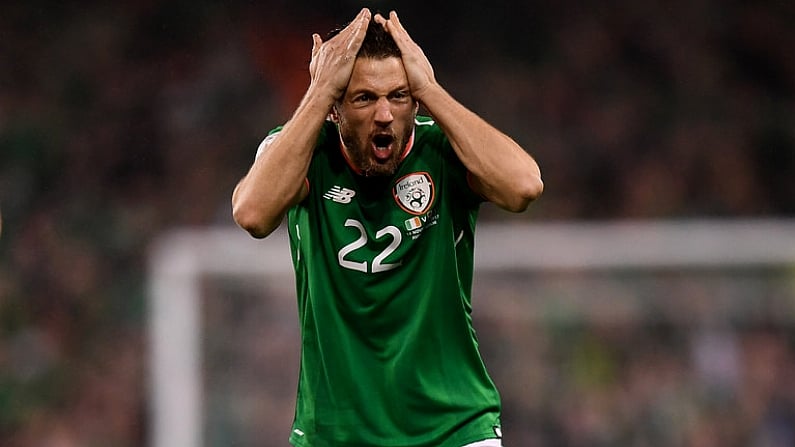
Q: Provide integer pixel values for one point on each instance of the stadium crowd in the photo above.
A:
(121, 120)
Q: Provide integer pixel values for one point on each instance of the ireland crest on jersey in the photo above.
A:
(414, 192)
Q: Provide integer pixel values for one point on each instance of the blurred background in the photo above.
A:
(122, 120)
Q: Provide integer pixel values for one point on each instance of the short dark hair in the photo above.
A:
(377, 44)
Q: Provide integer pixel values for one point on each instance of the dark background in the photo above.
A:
(121, 120)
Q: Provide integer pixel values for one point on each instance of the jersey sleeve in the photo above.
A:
(277, 130)
(267, 141)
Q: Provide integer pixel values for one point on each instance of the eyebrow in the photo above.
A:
(401, 89)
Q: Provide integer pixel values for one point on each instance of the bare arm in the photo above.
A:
(501, 170)
(275, 181)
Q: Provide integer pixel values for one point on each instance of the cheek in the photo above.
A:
(352, 132)
(407, 119)
(351, 121)
(409, 112)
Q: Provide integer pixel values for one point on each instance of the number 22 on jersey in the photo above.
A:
(377, 265)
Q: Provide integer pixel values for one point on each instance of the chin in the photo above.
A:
(380, 169)
(378, 172)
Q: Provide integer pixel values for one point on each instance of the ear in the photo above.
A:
(333, 115)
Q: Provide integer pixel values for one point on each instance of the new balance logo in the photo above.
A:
(339, 194)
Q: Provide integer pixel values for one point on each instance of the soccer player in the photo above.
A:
(381, 207)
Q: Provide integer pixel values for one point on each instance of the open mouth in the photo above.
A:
(382, 144)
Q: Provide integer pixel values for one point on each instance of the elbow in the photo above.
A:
(527, 191)
(534, 188)
(255, 223)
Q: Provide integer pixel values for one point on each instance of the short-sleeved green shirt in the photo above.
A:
(383, 270)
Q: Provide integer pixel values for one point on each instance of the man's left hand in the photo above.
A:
(418, 69)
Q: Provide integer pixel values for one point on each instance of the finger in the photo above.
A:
(379, 19)
(354, 33)
(362, 17)
(316, 43)
(363, 12)
(393, 17)
(359, 30)
(396, 29)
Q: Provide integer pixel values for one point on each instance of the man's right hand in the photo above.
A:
(332, 61)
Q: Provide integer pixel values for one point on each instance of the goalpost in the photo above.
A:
(181, 260)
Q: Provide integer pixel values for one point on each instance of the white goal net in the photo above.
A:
(624, 333)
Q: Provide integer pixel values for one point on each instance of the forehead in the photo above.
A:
(377, 75)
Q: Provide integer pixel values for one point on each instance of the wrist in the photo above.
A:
(429, 94)
(320, 97)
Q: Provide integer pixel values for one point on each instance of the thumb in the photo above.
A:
(316, 43)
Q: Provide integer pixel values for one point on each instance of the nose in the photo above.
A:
(383, 111)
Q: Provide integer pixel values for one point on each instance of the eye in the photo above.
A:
(400, 96)
(362, 98)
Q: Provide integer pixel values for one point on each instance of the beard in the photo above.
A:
(362, 153)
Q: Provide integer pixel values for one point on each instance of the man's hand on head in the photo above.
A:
(332, 61)
(418, 68)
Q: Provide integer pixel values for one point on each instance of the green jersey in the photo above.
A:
(383, 271)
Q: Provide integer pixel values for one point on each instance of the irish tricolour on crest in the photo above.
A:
(414, 192)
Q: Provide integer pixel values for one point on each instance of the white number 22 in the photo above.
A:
(361, 241)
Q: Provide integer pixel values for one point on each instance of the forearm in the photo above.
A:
(276, 180)
(502, 171)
